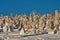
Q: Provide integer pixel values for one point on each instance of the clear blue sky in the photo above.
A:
(26, 6)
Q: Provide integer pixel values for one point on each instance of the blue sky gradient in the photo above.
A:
(27, 6)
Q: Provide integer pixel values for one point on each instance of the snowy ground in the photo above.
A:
(16, 36)
(34, 37)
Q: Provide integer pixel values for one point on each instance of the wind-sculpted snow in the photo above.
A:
(33, 24)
